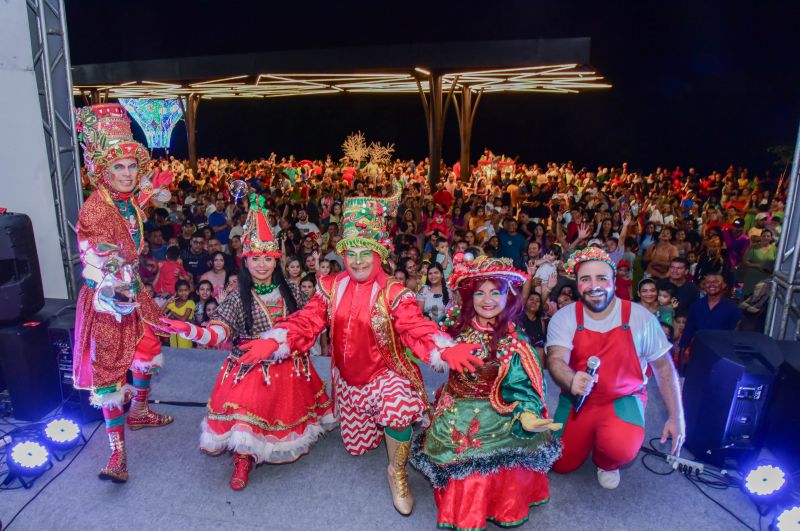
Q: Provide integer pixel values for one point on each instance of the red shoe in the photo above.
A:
(242, 465)
(147, 419)
(116, 469)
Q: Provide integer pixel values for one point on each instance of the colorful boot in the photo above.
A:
(140, 415)
(116, 469)
(397, 473)
(242, 465)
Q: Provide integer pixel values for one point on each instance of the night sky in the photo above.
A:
(703, 84)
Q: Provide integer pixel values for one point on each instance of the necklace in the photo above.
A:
(263, 289)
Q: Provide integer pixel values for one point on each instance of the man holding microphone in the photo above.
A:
(625, 337)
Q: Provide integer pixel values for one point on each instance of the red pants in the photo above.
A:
(597, 429)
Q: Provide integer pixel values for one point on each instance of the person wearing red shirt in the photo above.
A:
(443, 197)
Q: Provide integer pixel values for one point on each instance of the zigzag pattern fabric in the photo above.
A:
(387, 400)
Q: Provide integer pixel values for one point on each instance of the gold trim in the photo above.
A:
(263, 423)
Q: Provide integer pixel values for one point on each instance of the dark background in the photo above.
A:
(703, 84)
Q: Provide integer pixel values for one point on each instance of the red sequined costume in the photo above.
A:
(114, 314)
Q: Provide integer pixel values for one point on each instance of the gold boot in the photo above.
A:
(398, 475)
(117, 469)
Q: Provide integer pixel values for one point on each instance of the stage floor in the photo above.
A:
(173, 486)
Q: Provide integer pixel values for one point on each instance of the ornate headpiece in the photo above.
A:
(105, 134)
(363, 223)
(257, 239)
(466, 268)
(590, 254)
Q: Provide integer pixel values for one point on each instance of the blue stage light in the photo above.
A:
(28, 458)
(62, 433)
(765, 480)
(788, 519)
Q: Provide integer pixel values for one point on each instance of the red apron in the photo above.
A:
(611, 421)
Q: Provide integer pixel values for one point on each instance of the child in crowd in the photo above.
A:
(210, 308)
(547, 265)
(181, 308)
(308, 286)
(170, 271)
(201, 296)
(678, 325)
(624, 282)
(691, 256)
(205, 317)
(666, 303)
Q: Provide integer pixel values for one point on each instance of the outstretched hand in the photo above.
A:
(532, 423)
(173, 326)
(257, 350)
(459, 357)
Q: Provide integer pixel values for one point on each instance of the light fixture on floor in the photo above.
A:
(61, 435)
(788, 519)
(27, 460)
(764, 481)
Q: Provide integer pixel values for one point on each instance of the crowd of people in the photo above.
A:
(675, 236)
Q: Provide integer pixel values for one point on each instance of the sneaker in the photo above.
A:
(608, 479)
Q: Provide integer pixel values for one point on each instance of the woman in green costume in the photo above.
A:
(490, 445)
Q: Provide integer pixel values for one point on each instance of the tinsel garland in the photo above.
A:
(484, 463)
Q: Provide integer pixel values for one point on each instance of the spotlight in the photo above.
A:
(62, 434)
(27, 459)
(788, 519)
(764, 480)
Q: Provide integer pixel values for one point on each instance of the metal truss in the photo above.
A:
(783, 314)
(48, 29)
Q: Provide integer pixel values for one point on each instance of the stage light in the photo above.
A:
(788, 519)
(765, 480)
(62, 433)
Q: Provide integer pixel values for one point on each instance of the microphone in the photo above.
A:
(591, 368)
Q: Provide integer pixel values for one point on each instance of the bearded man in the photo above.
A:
(373, 318)
(626, 337)
(115, 316)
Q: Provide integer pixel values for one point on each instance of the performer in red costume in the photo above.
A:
(626, 338)
(265, 412)
(490, 446)
(378, 390)
(114, 316)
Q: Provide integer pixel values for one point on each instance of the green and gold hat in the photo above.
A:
(363, 223)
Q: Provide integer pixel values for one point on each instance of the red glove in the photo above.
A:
(173, 326)
(257, 350)
(162, 179)
(460, 358)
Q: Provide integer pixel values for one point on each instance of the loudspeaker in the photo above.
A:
(21, 293)
(29, 369)
(728, 382)
(783, 419)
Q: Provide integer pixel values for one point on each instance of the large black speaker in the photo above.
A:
(29, 370)
(21, 293)
(729, 379)
(783, 420)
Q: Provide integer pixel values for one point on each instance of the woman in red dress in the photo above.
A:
(267, 412)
